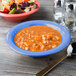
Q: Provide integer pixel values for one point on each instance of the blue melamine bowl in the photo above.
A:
(66, 37)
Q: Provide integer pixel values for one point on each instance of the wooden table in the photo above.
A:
(13, 64)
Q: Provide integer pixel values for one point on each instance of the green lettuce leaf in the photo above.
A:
(31, 1)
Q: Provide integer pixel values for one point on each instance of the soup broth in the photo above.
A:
(38, 38)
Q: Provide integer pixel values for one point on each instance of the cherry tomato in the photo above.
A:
(23, 11)
(5, 10)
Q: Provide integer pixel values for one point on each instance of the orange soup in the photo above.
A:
(38, 38)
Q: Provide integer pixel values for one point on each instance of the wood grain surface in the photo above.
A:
(14, 64)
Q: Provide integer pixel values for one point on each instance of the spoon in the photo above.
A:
(71, 52)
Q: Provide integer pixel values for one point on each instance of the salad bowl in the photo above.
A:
(21, 16)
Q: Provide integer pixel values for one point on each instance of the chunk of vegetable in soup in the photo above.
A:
(38, 38)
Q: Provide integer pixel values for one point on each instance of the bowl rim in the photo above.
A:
(23, 14)
(38, 53)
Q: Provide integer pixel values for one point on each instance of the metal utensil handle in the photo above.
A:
(51, 66)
